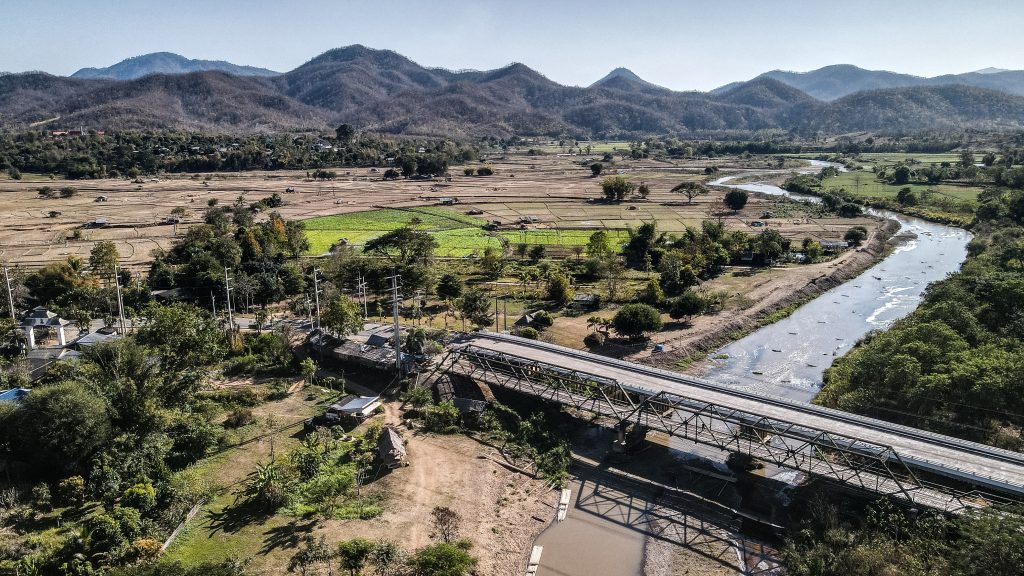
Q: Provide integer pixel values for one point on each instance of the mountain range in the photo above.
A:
(167, 63)
(381, 90)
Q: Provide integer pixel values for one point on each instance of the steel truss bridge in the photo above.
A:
(919, 467)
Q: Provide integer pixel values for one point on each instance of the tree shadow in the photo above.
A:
(233, 518)
(287, 536)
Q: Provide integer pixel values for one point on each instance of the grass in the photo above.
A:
(864, 184)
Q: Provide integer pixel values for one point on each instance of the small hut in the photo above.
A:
(391, 448)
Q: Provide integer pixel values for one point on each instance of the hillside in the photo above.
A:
(381, 90)
(167, 63)
(833, 82)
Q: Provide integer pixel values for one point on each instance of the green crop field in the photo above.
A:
(457, 235)
(864, 184)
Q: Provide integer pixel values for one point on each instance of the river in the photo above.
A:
(788, 358)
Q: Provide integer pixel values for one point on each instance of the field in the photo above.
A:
(557, 190)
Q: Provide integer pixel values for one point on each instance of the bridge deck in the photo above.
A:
(981, 465)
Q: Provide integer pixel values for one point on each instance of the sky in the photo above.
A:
(683, 44)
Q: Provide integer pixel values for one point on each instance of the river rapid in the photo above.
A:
(789, 357)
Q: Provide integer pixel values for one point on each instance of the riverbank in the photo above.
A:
(777, 294)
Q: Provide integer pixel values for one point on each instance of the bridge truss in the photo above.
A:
(855, 462)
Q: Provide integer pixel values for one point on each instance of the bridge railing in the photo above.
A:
(852, 461)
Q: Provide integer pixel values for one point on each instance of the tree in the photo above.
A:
(103, 258)
(643, 190)
(442, 559)
(342, 315)
(403, 246)
(856, 235)
(635, 320)
(391, 174)
(599, 244)
(475, 306)
(387, 558)
(186, 336)
(651, 293)
(736, 199)
(901, 175)
(445, 522)
(687, 305)
(596, 168)
(906, 196)
(966, 158)
(344, 133)
(560, 290)
(689, 189)
(354, 554)
(485, 171)
(616, 188)
(68, 192)
(308, 367)
(537, 252)
(449, 286)
(60, 426)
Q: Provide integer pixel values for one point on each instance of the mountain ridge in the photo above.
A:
(381, 90)
(166, 63)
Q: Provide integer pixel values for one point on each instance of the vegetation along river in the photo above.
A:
(788, 358)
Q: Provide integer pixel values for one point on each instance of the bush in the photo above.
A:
(594, 339)
(484, 171)
(41, 497)
(529, 333)
(856, 235)
(651, 294)
(543, 320)
(141, 496)
(635, 320)
(442, 418)
(71, 491)
(239, 417)
(687, 305)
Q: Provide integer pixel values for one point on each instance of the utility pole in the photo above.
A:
(120, 302)
(10, 293)
(361, 290)
(396, 300)
(316, 294)
(419, 297)
(496, 327)
(227, 293)
(309, 312)
(504, 313)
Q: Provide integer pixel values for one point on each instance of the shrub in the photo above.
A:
(442, 418)
(543, 320)
(41, 497)
(484, 171)
(71, 491)
(651, 294)
(635, 320)
(239, 417)
(529, 333)
(856, 235)
(594, 339)
(736, 199)
(141, 496)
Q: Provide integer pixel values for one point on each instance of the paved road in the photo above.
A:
(983, 466)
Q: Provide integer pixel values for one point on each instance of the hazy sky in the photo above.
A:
(681, 45)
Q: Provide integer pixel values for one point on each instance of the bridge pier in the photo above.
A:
(627, 435)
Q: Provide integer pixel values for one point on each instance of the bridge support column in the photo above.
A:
(619, 444)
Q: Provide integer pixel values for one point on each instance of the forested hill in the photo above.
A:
(381, 90)
(167, 63)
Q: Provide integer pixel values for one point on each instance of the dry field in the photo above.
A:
(554, 189)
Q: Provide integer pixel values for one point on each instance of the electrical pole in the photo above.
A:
(227, 293)
(361, 290)
(504, 313)
(396, 300)
(309, 312)
(316, 294)
(120, 302)
(10, 293)
(496, 327)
